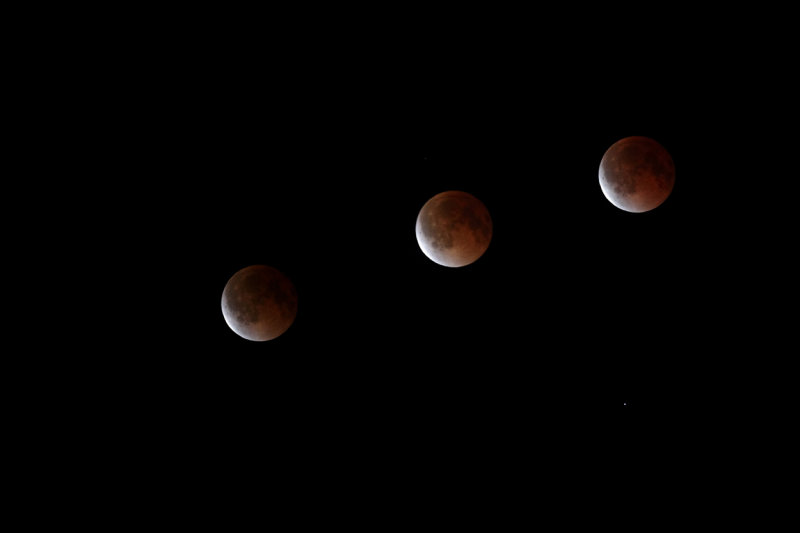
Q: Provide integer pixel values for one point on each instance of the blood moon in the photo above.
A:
(454, 228)
(637, 174)
(259, 303)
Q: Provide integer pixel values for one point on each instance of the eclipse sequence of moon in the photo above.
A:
(453, 229)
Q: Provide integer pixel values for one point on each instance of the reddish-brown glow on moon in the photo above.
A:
(454, 228)
(637, 174)
(259, 303)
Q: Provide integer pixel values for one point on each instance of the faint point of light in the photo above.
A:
(623, 403)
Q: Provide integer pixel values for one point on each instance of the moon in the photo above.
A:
(454, 228)
(637, 174)
(259, 303)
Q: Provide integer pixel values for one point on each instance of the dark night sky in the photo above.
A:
(185, 143)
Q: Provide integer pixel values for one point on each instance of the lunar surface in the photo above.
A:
(259, 303)
(637, 174)
(454, 228)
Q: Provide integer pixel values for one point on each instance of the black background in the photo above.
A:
(164, 149)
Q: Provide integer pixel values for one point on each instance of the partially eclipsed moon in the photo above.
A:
(454, 228)
(637, 174)
(259, 303)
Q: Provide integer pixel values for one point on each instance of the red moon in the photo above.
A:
(259, 303)
(637, 174)
(454, 229)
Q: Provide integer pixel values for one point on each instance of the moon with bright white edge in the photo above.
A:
(637, 174)
(259, 303)
(454, 228)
